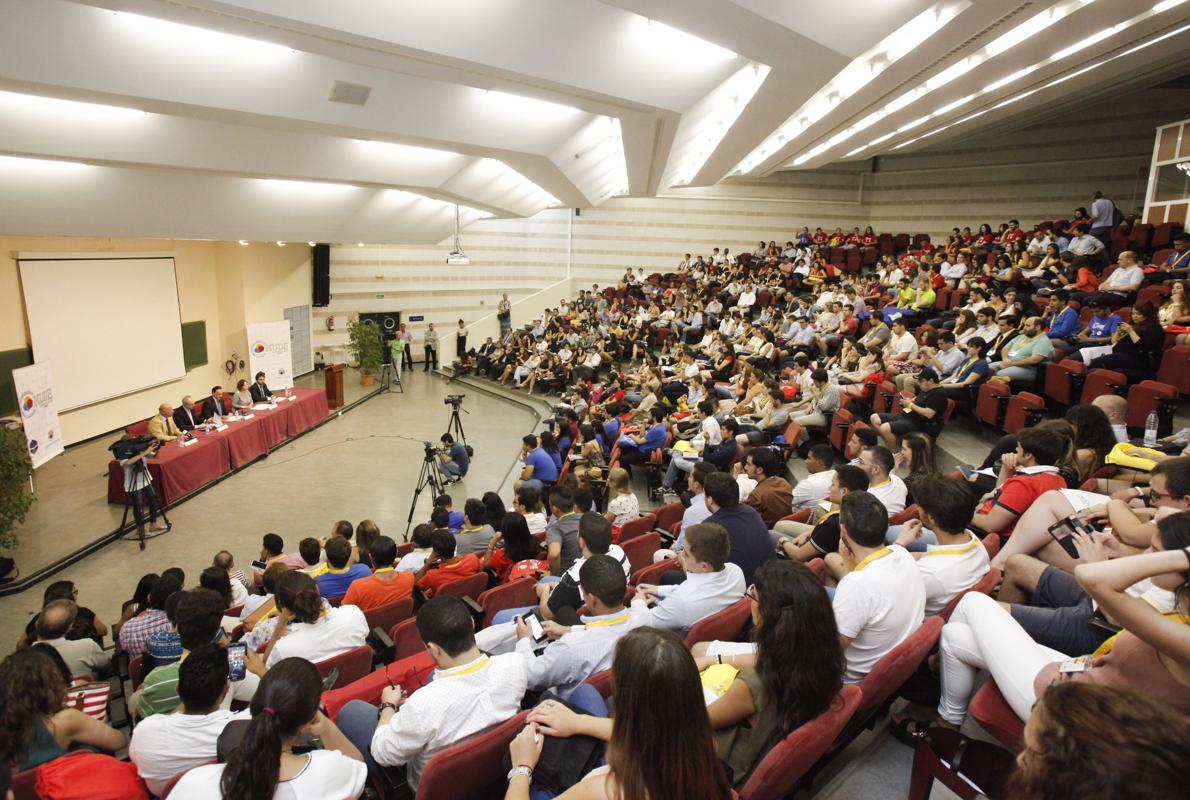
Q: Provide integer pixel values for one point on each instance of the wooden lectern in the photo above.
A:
(333, 375)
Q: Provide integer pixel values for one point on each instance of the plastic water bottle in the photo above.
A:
(1151, 429)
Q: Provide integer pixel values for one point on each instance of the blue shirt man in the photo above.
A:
(654, 438)
(1065, 324)
(455, 462)
(1103, 327)
(539, 466)
(339, 575)
(751, 544)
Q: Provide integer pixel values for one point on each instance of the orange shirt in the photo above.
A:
(370, 592)
(448, 572)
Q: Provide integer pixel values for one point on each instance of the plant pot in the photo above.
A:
(367, 378)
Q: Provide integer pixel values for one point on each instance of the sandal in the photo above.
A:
(907, 730)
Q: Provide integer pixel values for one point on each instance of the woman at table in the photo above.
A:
(243, 397)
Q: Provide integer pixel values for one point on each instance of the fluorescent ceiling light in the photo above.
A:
(856, 75)
(405, 150)
(38, 103)
(18, 162)
(527, 105)
(1090, 40)
(1057, 81)
(717, 113)
(680, 45)
(243, 242)
(285, 183)
(1001, 44)
(1167, 5)
(191, 37)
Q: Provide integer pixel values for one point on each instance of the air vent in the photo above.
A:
(351, 93)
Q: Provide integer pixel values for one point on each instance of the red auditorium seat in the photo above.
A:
(138, 428)
(472, 586)
(992, 712)
(890, 673)
(639, 549)
(356, 663)
(1103, 381)
(1061, 385)
(789, 760)
(903, 516)
(818, 567)
(853, 260)
(407, 639)
(386, 616)
(1153, 294)
(636, 527)
(1175, 368)
(869, 256)
(885, 244)
(840, 425)
(1147, 396)
(514, 594)
(653, 572)
(1025, 409)
(992, 402)
(1142, 234)
(885, 394)
(667, 515)
(992, 543)
(469, 767)
(725, 626)
(1163, 234)
(985, 585)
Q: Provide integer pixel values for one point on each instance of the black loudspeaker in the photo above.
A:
(320, 258)
(389, 323)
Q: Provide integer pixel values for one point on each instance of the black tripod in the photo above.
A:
(430, 476)
(140, 473)
(455, 425)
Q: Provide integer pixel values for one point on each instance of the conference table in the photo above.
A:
(177, 471)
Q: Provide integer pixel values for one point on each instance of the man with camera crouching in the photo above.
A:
(138, 484)
(454, 458)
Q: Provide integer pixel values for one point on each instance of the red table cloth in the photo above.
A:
(178, 471)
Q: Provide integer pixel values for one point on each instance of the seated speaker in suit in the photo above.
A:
(187, 416)
(213, 406)
(260, 390)
(163, 426)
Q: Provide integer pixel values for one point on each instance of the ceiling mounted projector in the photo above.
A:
(456, 257)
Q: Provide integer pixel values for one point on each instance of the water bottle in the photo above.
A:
(1151, 429)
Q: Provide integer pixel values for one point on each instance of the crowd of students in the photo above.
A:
(708, 380)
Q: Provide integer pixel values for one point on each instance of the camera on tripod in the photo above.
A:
(431, 450)
(455, 400)
(134, 446)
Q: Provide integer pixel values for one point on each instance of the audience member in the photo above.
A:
(385, 585)
(751, 545)
(442, 566)
(711, 584)
(340, 572)
(306, 627)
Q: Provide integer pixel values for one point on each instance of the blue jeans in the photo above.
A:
(507, 615)
(451, 468)
(918, 546)
(675, 464)
(357, 721)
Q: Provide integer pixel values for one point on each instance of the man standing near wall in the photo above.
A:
(431, 348)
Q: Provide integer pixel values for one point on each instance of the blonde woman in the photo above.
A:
(622, 506)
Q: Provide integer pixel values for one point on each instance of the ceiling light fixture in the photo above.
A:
(192, 37)
(1052, 83)
(280, 244)
(527, 105)
(682, 46)
(60, 165)
(856, 75)
(1046, 18)
(406, 150)
(287, 183)
(41, 104)
(712, 118)
(243, 242)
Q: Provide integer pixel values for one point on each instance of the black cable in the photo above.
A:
(272, 463)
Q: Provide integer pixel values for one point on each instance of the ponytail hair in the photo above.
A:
(286, 700)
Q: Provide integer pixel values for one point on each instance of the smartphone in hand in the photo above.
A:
(236, 661)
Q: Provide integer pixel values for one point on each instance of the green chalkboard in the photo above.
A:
(194, 344)
(10, 360)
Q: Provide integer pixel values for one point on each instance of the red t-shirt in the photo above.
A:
(1013, 235)
(448, 572)
(821, 238)
(853, 238)
(869, 240)
(1018, 493)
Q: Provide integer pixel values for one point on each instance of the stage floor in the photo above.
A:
(354, 467)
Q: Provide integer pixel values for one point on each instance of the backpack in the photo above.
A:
(1117, 216)
(89, 776)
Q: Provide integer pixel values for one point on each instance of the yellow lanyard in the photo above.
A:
(877, 486)
(603, 623)
(382, 569)
(881, 553)
(458, 672)
(1109, 643)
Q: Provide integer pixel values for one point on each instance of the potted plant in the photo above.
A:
(15, 498)
(363, 339)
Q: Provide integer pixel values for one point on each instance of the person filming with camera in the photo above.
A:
(138, 483)
(455, 461)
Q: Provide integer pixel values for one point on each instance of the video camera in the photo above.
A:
(455, 400)
(127, 448)
(431, 450)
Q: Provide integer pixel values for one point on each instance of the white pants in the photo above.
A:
(982, 635)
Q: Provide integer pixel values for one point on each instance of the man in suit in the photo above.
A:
(187, 416)
(163, 426)
(260, 390)
(212, 406)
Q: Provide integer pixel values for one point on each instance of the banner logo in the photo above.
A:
(258, 348)
(32, 447)
(28, 404)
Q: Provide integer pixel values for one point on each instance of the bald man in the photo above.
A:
(1116, 408)
(82, 656)
(186, 417)
(163, 426)
(1025, 353)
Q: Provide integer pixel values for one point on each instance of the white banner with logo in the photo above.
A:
(35, 397)
(269, 352)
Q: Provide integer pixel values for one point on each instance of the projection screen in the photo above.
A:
(108, 324)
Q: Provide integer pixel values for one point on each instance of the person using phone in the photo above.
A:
(164, 745)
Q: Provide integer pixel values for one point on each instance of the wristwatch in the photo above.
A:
(382, 706)
(517, 772)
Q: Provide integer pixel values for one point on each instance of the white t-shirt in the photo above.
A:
(892, 493)
(328, 775)
(625, 507)
(536, 522)
(813, 489)
(903, 346)
(164, 745)
(878, 605)
(414, 560)
(948, 569)
(340, 630)
(711, 431)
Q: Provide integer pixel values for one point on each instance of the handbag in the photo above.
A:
(564, 761)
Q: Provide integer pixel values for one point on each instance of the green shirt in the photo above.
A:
(159, 693)
(741, 746)
(1022, 347)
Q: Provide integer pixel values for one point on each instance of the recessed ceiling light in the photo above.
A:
(527, 105)
(42, 163)
(359, 244)
(243, 242)
(39, 103)
(191, 37)
(280, 244)
(310, 243)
